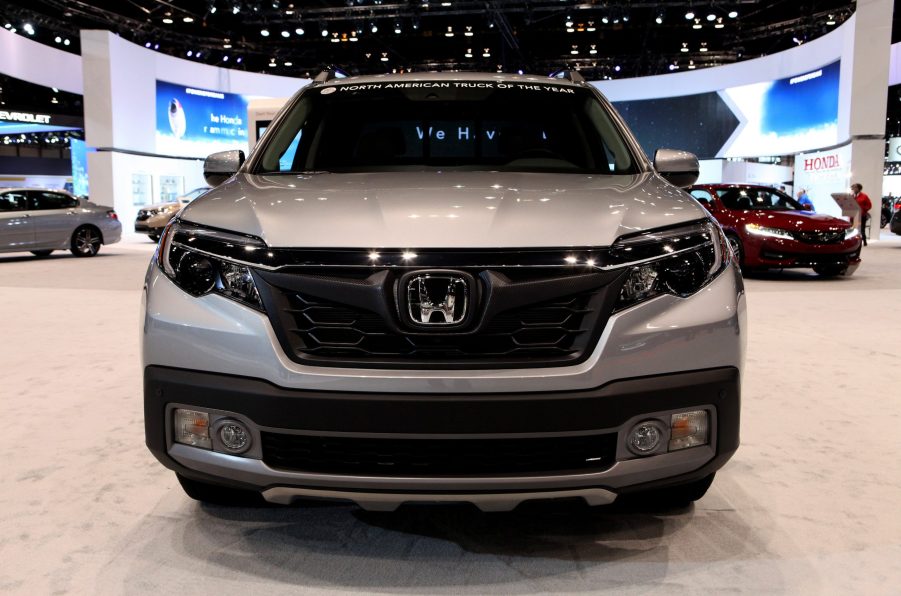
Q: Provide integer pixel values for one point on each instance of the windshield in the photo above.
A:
(482, 125)
(757, 199)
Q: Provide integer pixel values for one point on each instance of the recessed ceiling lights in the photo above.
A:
(689, 15)
(264, 32)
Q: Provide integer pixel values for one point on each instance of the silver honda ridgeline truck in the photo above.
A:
(444, 288)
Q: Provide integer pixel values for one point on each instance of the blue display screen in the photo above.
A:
(78, 151)
(196, 122)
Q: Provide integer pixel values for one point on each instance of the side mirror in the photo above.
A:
(679, 168)
(219, 167)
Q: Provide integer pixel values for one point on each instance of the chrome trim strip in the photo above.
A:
(390, 501)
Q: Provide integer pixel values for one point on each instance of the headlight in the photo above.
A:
(759, 230)
(188, 256)
(851, 233)
(678, 261)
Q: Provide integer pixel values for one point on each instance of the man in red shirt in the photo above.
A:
(865, 205)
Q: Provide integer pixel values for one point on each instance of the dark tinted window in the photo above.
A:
(757, 199)
(12, 201)
(467, 125)
(50, 200)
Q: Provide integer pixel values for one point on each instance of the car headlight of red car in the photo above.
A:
(759, 230)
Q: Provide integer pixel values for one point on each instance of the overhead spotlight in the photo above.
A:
(58, 39)
(374, 28)
(684, 47)
(324, 31)
(66, 42)
(697, 24)
(384, 57)
(236, 9)
(272, 63)
(286, 33)
(227, 45)
(689, 15)
(711, 17)
(289, 64)
(468, 32)
(691, 64)
(673, 67)
(625, 18)
(829, 21)
(703, 47)
(574, 51)
(213, 9)
(397, 29)
(156, 46)
(591, 28)
(147, 45)
(449, 32)
(28, 28)
(593, 50)
(225, 58)
(188, 19)
(569, 22)
(7, 26)
(198, 54)
(617, 68)
(299, 31)
(239, 60)
(659, 19)
(719, 23)
(486, 53)
(605, 20)
(733, 14)
(264, 32)
(797, 41)
(468, 53)
(189, 53)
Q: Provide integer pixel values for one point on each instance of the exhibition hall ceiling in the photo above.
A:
(603, 39)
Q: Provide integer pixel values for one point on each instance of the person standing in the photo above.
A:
(865, 204)
(804, 200)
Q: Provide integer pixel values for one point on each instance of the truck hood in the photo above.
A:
(451, 209)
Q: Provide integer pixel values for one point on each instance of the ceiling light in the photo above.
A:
(719, 23)
(468, 53)
(684, 47)
(28, 28)
(188, 19)
(397, 28)
(147, 45)
(605, 20)
(593, 50)
(189, 53)
(236, 9)
(733, 14)
(691, 64)
(659, 19)
(286, 34)
(264, 32)
(711, 17)
(226, 45)
(704, 47)
(299, 31)
(689, 15)
(156, 46)
(574, 51)
(486, 53)
(625, 18)
(324, 31)
(168, 21)
(374, 28)
(58, 39)
(829, 21)
(449, 32)
(468, 32)
(569, 22)
(697, 24)
(272, 64)
(591, 28)
(617, 68)
(289, 64)
(66, 42)
(225, 58)
(239, 60)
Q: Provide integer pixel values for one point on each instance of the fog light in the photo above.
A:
(234, 436)
(688, 429)
(192, 428)
(645, 437)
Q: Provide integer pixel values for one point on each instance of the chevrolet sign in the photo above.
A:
(24, 117)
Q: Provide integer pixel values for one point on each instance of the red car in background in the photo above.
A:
(768, 229)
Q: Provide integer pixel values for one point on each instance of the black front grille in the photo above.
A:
(820, 237)
(437, 457)
(519, 320)
(332, 330)
(143, 215)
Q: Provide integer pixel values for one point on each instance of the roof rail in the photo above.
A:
(330, 73)
(572, 76)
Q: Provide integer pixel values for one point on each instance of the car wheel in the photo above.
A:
(154, 237)
(41, 253)
(220, 495)
(830, 270)
(86, 241)
(680, 495)
(737, 249)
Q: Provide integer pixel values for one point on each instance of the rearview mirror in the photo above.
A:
(679, 168)
(219, 167)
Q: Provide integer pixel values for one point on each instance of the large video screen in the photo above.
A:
(782, 117)
(194, 122)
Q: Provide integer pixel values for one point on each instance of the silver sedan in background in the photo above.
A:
(41, 220)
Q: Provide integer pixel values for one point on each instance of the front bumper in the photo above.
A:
(784, 254)
(611, 409)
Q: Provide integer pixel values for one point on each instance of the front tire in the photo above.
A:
(86, 241)
(737, 249)
(220, 495)
(41, 253)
